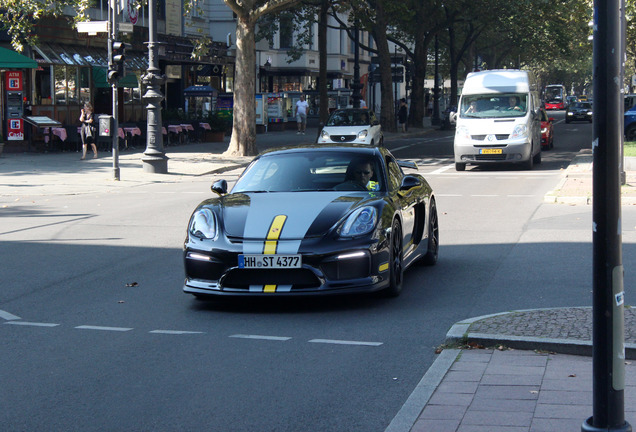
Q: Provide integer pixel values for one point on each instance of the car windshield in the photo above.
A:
(494, 106)
(312, 171)
(582, 105)
(349, 118)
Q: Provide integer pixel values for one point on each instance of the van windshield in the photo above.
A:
(494, 106)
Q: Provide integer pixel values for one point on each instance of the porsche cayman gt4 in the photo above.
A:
(312, 220)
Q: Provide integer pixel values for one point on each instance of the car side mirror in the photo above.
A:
(409, 182)
(219, 187)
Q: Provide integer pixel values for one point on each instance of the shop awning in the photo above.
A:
(13, 60)
(200, 91)
(100, 80)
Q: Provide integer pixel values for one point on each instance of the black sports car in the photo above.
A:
(312, 220)
(579, 111)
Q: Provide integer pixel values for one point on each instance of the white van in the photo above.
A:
(498, 119)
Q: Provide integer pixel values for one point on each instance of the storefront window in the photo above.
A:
(84, 85)
(43, 85)
(67, 90)
(72, 89)
(59, 73)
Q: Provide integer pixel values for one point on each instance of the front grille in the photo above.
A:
(483, 137)
(343, 138)
(491, 157)
(242, 278)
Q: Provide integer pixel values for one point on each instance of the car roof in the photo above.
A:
(362, 149)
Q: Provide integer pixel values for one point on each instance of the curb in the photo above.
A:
(459, 334)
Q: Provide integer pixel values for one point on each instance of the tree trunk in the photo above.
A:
(322, 50)
(243, 140)
(387, 113)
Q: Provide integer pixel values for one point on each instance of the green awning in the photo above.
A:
(13, 60)
(100, 80)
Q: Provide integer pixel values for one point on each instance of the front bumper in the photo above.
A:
(480, 152)
(328, 267)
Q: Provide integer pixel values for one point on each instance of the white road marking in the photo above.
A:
(442, 169)
(344, 342)
(34, 324)
(483, 195)
(274, 338)
(8, 316)
(521, 196)
(89, 327)
(449, 195)
(175, 332)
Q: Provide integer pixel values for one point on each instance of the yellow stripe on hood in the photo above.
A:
(274, 233)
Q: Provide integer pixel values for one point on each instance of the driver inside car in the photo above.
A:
(358, 176)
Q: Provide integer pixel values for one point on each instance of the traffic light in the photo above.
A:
(117, 68)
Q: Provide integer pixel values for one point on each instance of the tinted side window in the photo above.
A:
(395, 174)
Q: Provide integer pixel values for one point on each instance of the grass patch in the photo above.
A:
(629, 148)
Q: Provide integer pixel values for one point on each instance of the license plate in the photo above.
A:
(490, 151)
(269, 261)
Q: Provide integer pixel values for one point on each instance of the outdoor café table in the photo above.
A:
(132, 132)
(189, 132)
(205, 126)
(177, 131)
(57, 131)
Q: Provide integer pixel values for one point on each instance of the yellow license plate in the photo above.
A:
(490, 151)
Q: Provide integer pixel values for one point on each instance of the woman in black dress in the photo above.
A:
(88, 130)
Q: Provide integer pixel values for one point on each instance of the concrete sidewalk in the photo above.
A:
(515, 371)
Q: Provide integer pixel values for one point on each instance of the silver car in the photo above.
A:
(352, 125)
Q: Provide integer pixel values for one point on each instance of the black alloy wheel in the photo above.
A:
(432, 251)
(396, 268)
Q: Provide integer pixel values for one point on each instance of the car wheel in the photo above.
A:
(630, 134)
(396, 268)
(536, 159)
(567, 120)
(460, 166)
(432, 250)
(372, 143)
(529, 164)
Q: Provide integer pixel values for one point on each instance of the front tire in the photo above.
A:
(396, 265)
(460, 166)
(432, 250)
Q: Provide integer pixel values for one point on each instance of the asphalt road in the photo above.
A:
(106, 340)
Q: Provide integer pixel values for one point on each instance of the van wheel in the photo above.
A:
(460, 166)
(537, 158)
(630, 134)
(529, 164)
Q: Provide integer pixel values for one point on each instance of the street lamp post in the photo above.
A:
(435, 120)
(356, 96)
(154, 159)
(112, 35)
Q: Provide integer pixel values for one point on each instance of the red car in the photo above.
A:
(547, 131)
(554, 104)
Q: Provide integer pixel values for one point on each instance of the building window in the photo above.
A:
(286, 32)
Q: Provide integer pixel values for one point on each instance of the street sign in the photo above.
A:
(125, 27)
(92, 27)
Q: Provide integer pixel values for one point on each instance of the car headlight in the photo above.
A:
(569, 113)
(324, 134)
(363, 134)
(544, 130)
(360, 222)
(462, 132)
(203, 224)
(520, 131)
(589, 113)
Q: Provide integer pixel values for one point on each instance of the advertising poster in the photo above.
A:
(15, 129)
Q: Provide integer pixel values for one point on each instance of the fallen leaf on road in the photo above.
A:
(572, 376)
(534, 391)
(121, 301)
(132, 284)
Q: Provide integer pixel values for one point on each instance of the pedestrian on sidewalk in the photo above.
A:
(301, 115)
(88, 129)
(402, 115)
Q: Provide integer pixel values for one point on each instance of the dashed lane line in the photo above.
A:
(8, 316)
(34, 324)
(262, 337)
(174, 332)
(344, 342)
(90, 327)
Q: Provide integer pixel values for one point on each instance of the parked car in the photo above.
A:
(352, 125)
(630, 124)
(582, 98)
(569, 100)
(312, 220)
(554, 104)
(579, 111)
(547, 131)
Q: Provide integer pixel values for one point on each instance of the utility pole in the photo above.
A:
(356, 96)
(154, 159)
(608, 295)
(112, 34)
(435, 119)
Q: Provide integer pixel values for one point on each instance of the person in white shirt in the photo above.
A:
(301, 114)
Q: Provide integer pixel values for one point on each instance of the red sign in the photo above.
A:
(14, 80)
(15, 129)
